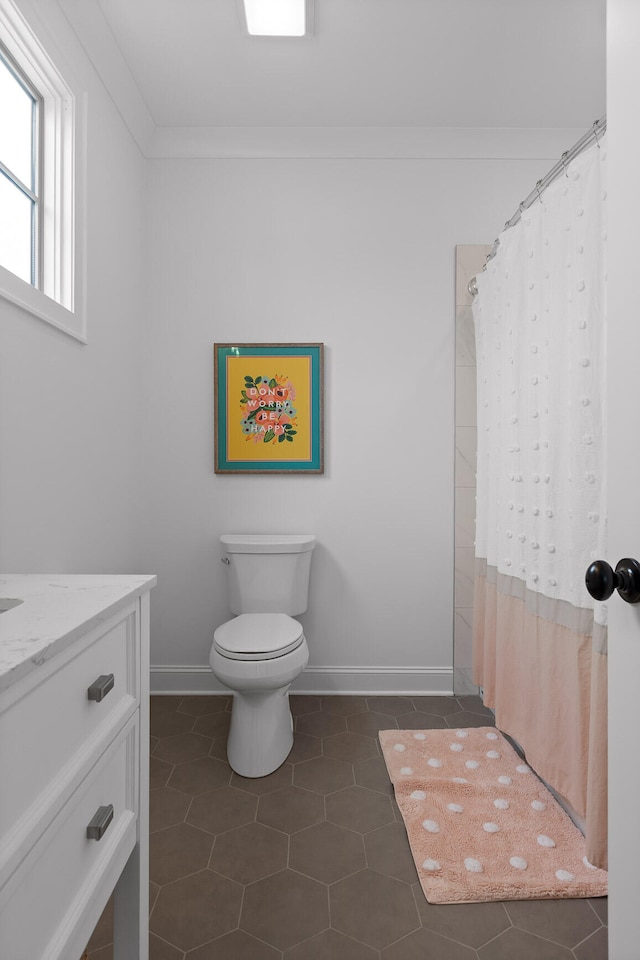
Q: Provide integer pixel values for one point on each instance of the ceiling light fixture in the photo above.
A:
(277, 18)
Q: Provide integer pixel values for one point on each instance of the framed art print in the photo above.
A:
(268, 415)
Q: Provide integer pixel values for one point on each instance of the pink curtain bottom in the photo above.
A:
(547, 684)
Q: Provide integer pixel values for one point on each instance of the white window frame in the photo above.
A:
(29, 188)
(60, 298)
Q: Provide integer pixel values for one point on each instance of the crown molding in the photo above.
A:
(435, 143)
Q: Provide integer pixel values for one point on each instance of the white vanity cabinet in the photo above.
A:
(74, 734)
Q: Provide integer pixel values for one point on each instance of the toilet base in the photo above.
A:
(261, 731)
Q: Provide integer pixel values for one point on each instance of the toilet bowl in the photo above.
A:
(261, 731)
(260, 652)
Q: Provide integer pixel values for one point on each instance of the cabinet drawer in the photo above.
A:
(65, 866)
(50, 730)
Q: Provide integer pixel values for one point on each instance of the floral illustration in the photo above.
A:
(268, 411)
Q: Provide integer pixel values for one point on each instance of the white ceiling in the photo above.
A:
(369, 63)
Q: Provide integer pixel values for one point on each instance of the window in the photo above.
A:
(20, 112)
(41, 180)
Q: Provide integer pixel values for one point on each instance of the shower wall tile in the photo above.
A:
(465, 506)
(466, 267)
(470, 258)
(463, 682)
(465, 337)
(463, 662)
(466, 397)
(466, 447)
(462, 637)
(465, 565)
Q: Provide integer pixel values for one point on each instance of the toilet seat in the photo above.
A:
(258, 636)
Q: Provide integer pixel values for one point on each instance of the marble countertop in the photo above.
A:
(56, 610)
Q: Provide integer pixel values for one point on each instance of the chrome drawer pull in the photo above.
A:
(100, 687)
(101, 820)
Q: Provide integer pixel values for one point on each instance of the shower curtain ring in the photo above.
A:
(563, 161)
(538, 185)
(595, 133)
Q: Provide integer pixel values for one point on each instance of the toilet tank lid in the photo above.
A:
(268, 542)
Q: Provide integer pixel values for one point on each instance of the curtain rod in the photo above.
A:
(597, 130)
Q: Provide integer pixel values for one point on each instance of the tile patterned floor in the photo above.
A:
(312, 862)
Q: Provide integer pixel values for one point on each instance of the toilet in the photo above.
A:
(260, 652)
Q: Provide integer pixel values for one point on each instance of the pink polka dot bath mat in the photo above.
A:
(480, 823)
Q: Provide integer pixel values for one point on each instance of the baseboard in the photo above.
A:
(186, 679)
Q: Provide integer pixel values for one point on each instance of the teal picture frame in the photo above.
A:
(268, 408)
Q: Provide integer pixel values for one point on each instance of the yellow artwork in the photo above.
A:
(269, 413)
(268, 416)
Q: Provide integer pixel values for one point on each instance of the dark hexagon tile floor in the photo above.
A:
(312, 862)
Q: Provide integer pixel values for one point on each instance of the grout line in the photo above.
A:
(585, 939)
(244, 890)
(168, 943)
(601, 921)
(213, 847)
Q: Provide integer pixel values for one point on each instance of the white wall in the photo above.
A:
(358, 254)
(100, 473)
(69, 413)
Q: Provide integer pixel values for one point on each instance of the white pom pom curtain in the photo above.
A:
(539, 638)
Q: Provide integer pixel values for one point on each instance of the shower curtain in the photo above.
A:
(539, 639)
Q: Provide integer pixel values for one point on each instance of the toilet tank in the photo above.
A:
(268, 573)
